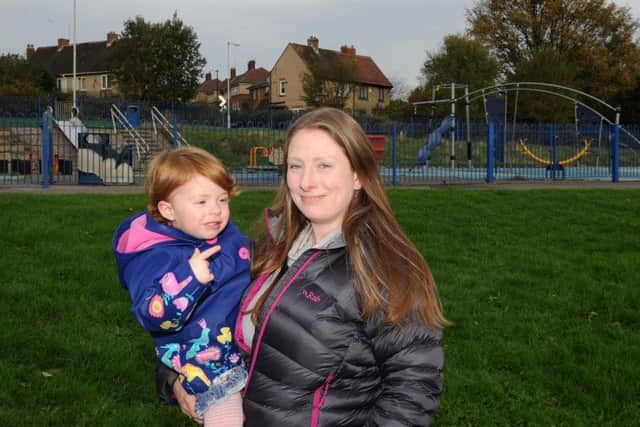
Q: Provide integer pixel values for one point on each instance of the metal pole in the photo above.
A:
(74, 55)
(615, 161)
(466, 98)
(491, 139)
(453, 124)
(229, 44)
(394, 157)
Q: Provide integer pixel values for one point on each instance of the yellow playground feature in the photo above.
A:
(253, 155)
(274, 155)
(583, 152)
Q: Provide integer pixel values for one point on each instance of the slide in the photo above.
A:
(434, 139)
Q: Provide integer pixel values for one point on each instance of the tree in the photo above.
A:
(330, 81)
(157, 60)
(20, 77)
(460, 59)
(549, 66)
(595, 37)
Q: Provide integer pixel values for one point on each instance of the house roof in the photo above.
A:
(251, 76)
(368, 71)
(91, 57)
(209, 87)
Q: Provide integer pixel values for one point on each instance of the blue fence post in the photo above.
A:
(46, 153)
(394, 154)
(491, 142)
(615, 160)
(554, 150)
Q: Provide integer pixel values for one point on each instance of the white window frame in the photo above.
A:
(282, 87)
(105, 80)
(363, 92)
(81, 83)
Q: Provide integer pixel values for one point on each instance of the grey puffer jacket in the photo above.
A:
(315, 362)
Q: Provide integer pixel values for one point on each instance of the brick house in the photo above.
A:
(92, 71)
(371, 89)
(210, 89)
(239, 85)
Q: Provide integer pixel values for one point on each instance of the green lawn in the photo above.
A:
(542, 287)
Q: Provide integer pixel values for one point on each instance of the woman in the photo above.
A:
(343, 321)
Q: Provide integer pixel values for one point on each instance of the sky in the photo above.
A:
(397, 34)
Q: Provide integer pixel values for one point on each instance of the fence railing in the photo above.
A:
(253, 152)
(158, 119)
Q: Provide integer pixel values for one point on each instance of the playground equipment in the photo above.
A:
(253, 154)
(434, 139)
(583, 152)
(452, 100)
(495, 103)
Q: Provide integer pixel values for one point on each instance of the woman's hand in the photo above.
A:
(199, 262)
(187, 402)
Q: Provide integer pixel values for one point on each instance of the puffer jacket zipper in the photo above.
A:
(256, 348)
(318, 400)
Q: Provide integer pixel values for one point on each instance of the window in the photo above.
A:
(343, 89)
(283, 87)
(380, 94)
(106, 81)
(59, 85)
(82, 82)
(363, 92)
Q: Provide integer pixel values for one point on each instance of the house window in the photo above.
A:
(59, 85)
(363, 92)
(343, 89)
(380, 94)
(106, 81)
(81, 84)
(323, 88)
(283, 87)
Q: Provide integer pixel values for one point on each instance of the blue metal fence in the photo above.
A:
(40, 147)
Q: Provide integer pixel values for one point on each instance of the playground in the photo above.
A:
(110, 144)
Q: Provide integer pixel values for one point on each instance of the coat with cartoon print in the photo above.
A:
(191, 322)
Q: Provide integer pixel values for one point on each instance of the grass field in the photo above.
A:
(542, 287)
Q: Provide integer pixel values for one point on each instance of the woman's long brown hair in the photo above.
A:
(390, 274)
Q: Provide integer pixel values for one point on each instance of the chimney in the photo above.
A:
(207, 76)
(312, 42)
(349, 50)
(30, 51)
(251, 65)
(111, 37)
(62, 43)
(233, 73)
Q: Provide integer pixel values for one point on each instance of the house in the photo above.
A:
(239, 85)
(93, 76)
(370, 90)
(259, 93)
(210, 89)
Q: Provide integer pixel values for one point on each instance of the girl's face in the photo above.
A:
(199, 208)
(320, 180)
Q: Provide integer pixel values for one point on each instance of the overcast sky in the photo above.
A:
(395, 33)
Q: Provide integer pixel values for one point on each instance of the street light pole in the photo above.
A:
(229, 44)
(74, 58)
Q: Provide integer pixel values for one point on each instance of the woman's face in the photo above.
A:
(320, 180)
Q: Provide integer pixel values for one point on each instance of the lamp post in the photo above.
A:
(74, 59)
(229, 44)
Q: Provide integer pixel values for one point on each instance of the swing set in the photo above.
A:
(495, 101)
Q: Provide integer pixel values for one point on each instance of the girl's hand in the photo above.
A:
(186, 401)
(199, 263)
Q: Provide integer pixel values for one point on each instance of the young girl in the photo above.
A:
(186, 267)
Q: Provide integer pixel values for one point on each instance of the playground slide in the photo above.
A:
(71, 128)
(434, 139)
